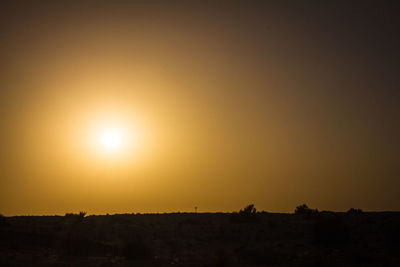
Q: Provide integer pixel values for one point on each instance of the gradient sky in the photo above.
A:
(275, 103)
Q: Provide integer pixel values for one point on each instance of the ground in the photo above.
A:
(202, 239)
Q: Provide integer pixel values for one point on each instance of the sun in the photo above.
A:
(111, 139)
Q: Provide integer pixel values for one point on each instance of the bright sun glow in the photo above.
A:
(111, 139)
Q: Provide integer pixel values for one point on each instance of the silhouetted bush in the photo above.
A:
(304, 209)
(247, 214)
(248, 210)
(78, 216)
(355, 211)
(331, 232)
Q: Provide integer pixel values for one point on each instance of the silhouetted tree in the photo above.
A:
(249, 209)
(304, 209)
(249, 213)
(82, 214)
(355, 211)
(79, 217)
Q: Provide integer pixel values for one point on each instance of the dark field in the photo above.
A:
(203, 239)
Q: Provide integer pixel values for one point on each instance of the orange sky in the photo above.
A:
(222, 105)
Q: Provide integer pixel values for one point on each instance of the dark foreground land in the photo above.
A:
(202, 239)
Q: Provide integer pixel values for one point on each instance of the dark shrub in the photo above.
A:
(82, 215)
(248, 210)
(304, 209)
(247, 214)
(78, 217)
(331, 232)
(355, 211)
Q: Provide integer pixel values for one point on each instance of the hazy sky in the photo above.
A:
(220, 104)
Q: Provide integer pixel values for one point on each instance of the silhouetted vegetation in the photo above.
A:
(76, 217)
(247, 214)
(248, 210)
(304, 209)
(355, 211)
